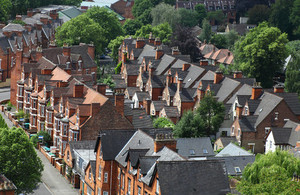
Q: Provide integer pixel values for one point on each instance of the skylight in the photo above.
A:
(192, 152)
(237, 169)
(205, 151)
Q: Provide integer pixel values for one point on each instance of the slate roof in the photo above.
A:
(227, 140)
(233, 150)
(13, 27)
(140, 119)
(132, 69)
(247, 123)
(194, 73)
(172, 89)
(194, 147)
(179, 63)
(244, 90)
(187, 94)
(81, 145)
(240, 28)
(71, 12)
(158, 105)
(132, 90)
(295, 133)
(193, 177)
(207, 48)
(146, 162)
(152, 132)
(164, 64)
(112, 141)
(6, 184)
(228, 86)
(157, 81)
(134, 155)
(171, 111)
(292, 101)
(141, 95)
(281, 135)
(253, 104)
(147, 51)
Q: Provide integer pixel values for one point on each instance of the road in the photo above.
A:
(53, 183)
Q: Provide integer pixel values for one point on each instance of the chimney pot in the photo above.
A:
(256, 92)
(119, 103)
(237, 74)
(185, 67)
(218, 77)
(278, 89)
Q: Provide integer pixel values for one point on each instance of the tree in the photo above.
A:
(18, 159)
(261, 53)
(217, 16)
(292, 79)
(188, 18)
(219, 40)
(163, 122)
(184, 39)
(295, 19)
(242, 6)
(231, 38)
(293, 46)
(206, 32)
(271, 173)
(163, 13)
(114, 47)
(163, 31)
(202, 14)
(46, 138)
(280, 16)
(141, 11)
(81, 29)
(258, 14)
(5, 10)
(131, 26)
(189, 125)
(108, 21)
(212, 113)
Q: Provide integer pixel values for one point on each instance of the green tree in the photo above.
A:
(114, 47)
(258, 14)
(165, 13)
(18, 159)
(217, 16)
(206, 31)
(141, 10)
(188, 18)
(231, 38)
(81, 29)
(292, 79)
(280, 16)
(46, 138)
(163, 31)
(5, 10)
(202, 14)
(131, 26)
(295, 19)
(271, 173)
(261, 53)
(293, 46)
(163, 122)
(219, 40)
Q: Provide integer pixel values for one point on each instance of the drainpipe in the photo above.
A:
(111, 166)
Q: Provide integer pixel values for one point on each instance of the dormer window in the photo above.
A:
(68, 156)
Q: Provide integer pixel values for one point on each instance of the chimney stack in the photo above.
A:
(179, 84)
(218, 77)
(256, 91)
(239, 110)
(151, 71)
(53, 14)
(163, 140)
(175, 51)
(29, 13)
(157, 41)
(139, 43)
(44, 20)
(159, 53)
(119, 103)
(18, 17)
(146, 104)
(278, 89)
(39, 53)
(151, 38)
(238, 75)
(124, 56)
(168, 79)
(78, 90)
(66, 50)
(91, 50)
(101, 88)
(203, 62)
(185, 67)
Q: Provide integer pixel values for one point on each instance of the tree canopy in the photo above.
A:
(292, 79)
(258, 14)
(131, 26)
(162, 122)
(206, 31)
(5, 10)
(261, 53)
(201, 11)
(205, 121)
(18, 159)
(271, 173)
(163, 31)
(165, 13)
(114, 47)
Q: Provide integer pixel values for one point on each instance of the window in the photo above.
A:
(68, 156)
(105, 177)
(42, 110)
(139, 190)
(251, 146)
(192, 152)
(65, 129)
(89, 191)
(129, 186)
(34, 103)
(99, 172)
(90, 174)
(239, 132)
(28, 97)
(270, 144)
(105, 193)
(157, 186)
(33, 120)
(232, 130)
(205, 151)
(99, 191)
(123, 181)
(276, 116)
(267, 130)
(75, 136)
(77, 119)
(246, 110)
(146, 193)
(237, 169)
(50, 117)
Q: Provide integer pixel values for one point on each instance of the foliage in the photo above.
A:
(3, 123)
(114, 47)
(205, 121)
(293, 46)
(20, 114)
(292, 79)
(107, 79)
(164, 13)
(271, 173)
(206, 31)
(280, 16)
(108, 21)
(9, 106)
(202, 14)
(81, 29)
(18, 22)
(163, 122)
(219, 40)
(217, 16)
(18, 159)
(261, 53)
(295, 19)
(242, 6)
(258, 14)
(5, 10)
(118, 68)
(227, 70)
(46, 138)
(163, 31)
(231, 38)
(141, 11)
(188, 18)
(131, 26)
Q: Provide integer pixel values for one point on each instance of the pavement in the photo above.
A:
(53, 183)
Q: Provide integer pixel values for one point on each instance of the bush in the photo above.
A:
(118, 68)
(9, 106)
(47, 138)
(162, 122)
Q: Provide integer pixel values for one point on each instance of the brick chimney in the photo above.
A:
(53, 14)
(46, 71)
(39, 53)
(119, 103)
(146, 105)
(238, 74)
(157, 41)
(68, 68)
(278, 89)
(124, 56)
(95, 108)
(218, 77)
(159, 53)
(175, 51)
(66, 50)
(203, 62)
(28, 27)
(256, 91)
(163, 140)
(140, 43)
(29, 13)
(2, 25)
(185, 67)
(78, 90)
(179, 84)
(168, 79)
(101, 88)
(18, 17)
(39, 26)
(44, 20)
(91, 50)
(151, 71)
(151, 38)
(239, 110)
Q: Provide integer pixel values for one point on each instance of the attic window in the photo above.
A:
(189, 79)
(192, 152)
(267, 129)
(276, 116)
(237, 169)
(205, 151)
(260, 110)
